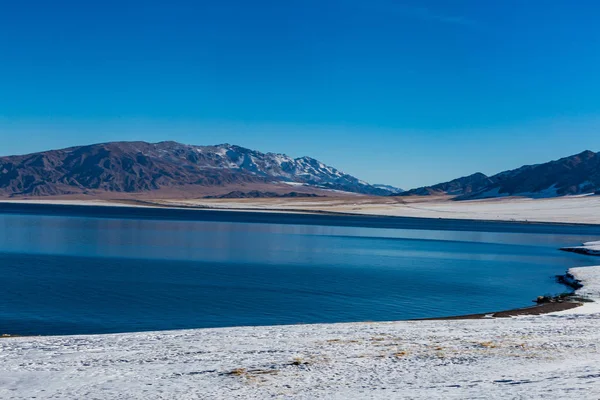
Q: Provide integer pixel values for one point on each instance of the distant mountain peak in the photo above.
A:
(587, 154)
(477, 175)
(455, 187)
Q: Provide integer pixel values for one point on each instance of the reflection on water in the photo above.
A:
(80, 275)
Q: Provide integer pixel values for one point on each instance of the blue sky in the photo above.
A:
(400, 92)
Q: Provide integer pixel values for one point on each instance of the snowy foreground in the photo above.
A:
(550, 356)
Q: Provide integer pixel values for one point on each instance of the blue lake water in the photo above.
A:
(74, 270)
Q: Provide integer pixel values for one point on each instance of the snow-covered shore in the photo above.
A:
(548, 356)
(589, 248)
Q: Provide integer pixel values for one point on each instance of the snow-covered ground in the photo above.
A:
(570, 209)
(549, 356)
(590, 278)
(589, 248)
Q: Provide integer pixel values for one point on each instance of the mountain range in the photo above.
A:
(232, 171)
(577, 174)
(132, 167)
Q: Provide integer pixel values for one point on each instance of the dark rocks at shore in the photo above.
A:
(569, 280)
(545, 304)
(581, 250)
(538, 309)
(561, 298)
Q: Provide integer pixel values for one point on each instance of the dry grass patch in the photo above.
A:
(251, 374)
(6, 336)
(237, 372)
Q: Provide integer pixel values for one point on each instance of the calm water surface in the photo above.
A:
(71, 270)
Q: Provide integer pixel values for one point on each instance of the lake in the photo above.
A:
(79, 270)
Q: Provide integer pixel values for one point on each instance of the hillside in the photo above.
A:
(576, 174)
(133, 167)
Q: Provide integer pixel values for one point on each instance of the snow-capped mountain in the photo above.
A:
(303, 169)
(141, 166)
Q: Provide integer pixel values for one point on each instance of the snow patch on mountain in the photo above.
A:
(304, 170)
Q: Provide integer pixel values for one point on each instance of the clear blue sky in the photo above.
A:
(400, 92)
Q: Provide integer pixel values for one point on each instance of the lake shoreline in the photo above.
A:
(539, 309)
(536, 310)
(531, 356)
(557, 304)
(109, 212)
(528, 352)
(109, 209)
(570, 210)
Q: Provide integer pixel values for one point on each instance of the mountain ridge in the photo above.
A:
(131, 167)
(465, 184)
(571, 175)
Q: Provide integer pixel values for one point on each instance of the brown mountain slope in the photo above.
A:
(130, 167)
(467, 184)
(576, 174)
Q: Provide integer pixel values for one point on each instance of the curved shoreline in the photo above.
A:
(533, 357)
(589, 249)
(539, 309)
(571, 302)
(526, 356)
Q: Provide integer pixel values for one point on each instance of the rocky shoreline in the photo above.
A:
(589, 249)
